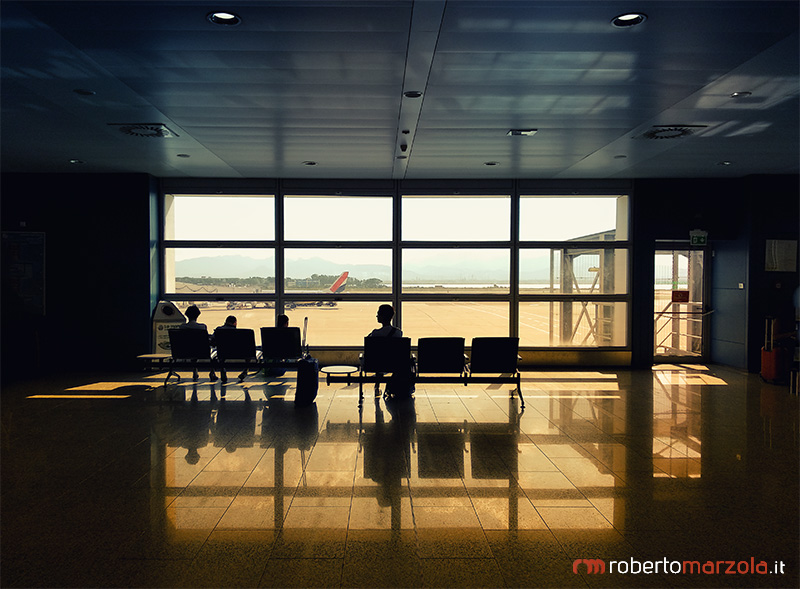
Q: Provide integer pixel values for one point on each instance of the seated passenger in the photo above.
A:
(401, 383)
(192, 313)
(385, 315)
(280, 321)
(230, 323)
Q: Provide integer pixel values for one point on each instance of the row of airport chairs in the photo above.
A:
(438, 359)
(280, 346)
(442, 359)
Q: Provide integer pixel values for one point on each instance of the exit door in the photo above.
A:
(679, 290)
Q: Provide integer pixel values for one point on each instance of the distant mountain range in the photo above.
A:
(235, 266)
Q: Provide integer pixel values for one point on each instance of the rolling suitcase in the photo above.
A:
(307, 375)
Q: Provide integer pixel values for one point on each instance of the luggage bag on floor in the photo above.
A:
(307, 375)
(307, 381)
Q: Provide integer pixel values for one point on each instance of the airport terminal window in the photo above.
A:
(343, 324)
(573, 271)
(223, 218)
(456, 218)
(338, 270)
(249, 314)
(331, 258)
(465, 319)
(338, 218)
(219, 271)
(456, 271)
(573, 218)
(573, 323)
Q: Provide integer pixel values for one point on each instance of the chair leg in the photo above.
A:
(519, 391)
(170, 373)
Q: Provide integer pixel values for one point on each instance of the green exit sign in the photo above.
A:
(698, 237)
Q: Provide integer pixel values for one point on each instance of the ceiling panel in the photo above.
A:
(324, 80)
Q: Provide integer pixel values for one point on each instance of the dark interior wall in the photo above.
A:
(100, 252)
(774, 214)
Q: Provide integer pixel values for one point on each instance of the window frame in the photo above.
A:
(278, 190)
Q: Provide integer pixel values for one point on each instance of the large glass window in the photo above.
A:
(454, 263)
(573, 271)
(221, 218)
(249, 314)
(339, 218)
(219, 271)
(456, 218)
(571, 323)
(456, 271)
(465, 319)
(573, 218)
(334, 271)
(338, 323)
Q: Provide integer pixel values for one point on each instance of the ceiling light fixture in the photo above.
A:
(491, 163)
(744, 94)
(77, 162)
(227, 19)
(412, 94)
(183, 155)
(309, 163)
(84, 92)
(521, 132)
(630, 19)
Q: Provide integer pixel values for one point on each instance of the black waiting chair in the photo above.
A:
(281, 347)
(385, 355)
(496, 355)
(235, 344)
(190, 348)
(441, 355)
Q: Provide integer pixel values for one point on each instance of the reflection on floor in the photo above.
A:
(118, 482)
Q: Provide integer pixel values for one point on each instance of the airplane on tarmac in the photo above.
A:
(336, 287)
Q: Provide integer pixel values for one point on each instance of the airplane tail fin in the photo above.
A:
(338, 286)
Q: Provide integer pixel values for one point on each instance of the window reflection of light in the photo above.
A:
(107, 386)
(78, 397)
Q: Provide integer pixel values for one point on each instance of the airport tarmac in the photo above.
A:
(348, 322)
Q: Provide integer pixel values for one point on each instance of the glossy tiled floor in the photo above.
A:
(111, 482)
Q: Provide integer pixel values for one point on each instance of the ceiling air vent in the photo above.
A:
(671, 131)
(145, 129)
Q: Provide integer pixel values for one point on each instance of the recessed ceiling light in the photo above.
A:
(630, 19)
(522, 132)
(309, 163)
(84, 92)
(77, 162)
(223, 18)
(744, 94)
(183, 155)
(724, 163)
(491, 163)
(620, 157)
(412, 94)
